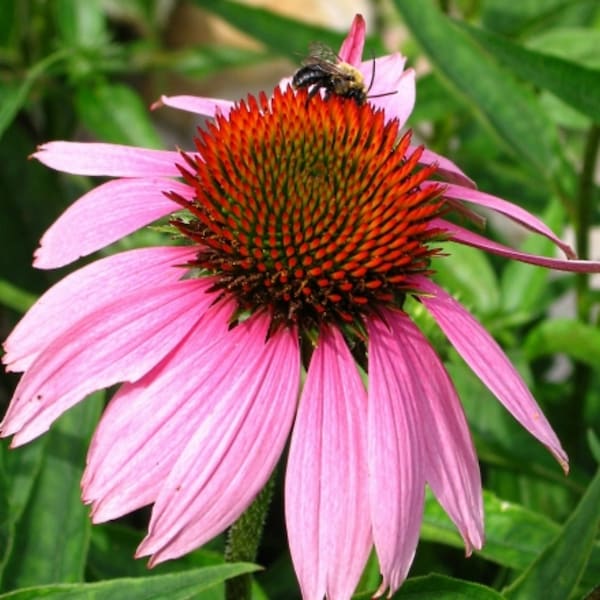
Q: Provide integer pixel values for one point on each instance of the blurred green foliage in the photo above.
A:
(511, 93)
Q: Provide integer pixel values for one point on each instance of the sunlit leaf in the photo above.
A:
(469, 276)
(115, 113)
(573, 43)
(510, 108)
(577, 85)
(569, 336)
(433, 101)
(445, 588)
(524, 287)
(514, 17)
(80, 23)
(174, 586)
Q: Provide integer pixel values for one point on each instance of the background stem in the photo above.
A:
(584, 207)
(243, 539)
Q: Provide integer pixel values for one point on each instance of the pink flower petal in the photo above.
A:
(446, 168)
(452, 470)
(147, 424)
(120, 341)
(326, 479)
(251, 395)
(512, 211)
(86, 291)
(464, 236)
(352, 47)
(111, 160)
(285, 83)
(390, 77)
(104, 215)
(396, 454)
(489, 363)
(197, 104)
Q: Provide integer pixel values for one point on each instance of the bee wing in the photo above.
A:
(319, 53)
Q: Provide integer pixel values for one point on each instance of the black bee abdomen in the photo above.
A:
(307, 76)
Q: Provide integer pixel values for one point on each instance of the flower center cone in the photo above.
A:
(311, 209)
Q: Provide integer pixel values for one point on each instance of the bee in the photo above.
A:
(323, 69)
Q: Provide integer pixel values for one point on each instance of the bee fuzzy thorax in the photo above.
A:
(351, 78)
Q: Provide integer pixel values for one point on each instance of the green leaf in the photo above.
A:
(512, 17)
(555, 574)
(281, 34)
(112, 549)
(53, 533)
(576, 339)
(578, 86)
(12, 98)
(14, 297)
(174, 586)
(577, 44)
(115, 113)
(467, 273)
(524, 287)
(508, 107)
(23, 466)
(594, 444)
(80, 24)
(20, 468)
(439, 587)
(433, 101)
(514, 535)
(13, 94)
(499, 439)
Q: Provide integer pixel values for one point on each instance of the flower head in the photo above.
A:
(309, 220)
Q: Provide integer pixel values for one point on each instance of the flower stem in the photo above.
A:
(243, 540)
(585, 204)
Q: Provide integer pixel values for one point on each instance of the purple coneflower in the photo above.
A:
(309, 222)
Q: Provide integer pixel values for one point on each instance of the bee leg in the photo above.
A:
(314, 90)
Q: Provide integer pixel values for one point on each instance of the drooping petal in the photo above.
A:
(147, 424)
(110, 160)
(86, 291)
(508, 209)
(469, 238)
(326, 479)
(120, 341)
(104, 215)
(393, 89)
(482, 353)
(452, 470)
(396, 454)
(446, 168)
(197, 104)
(250, 395)
(352, 47)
